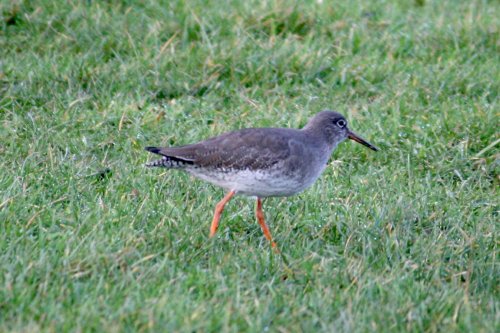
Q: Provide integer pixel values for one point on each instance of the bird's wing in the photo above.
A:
(255, 148)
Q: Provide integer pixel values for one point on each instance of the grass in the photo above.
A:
(405, 239)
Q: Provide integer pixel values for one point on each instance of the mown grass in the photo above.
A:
(400, 240)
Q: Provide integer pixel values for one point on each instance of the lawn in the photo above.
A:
(404, 239)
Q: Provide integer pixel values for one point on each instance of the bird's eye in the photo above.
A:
(341, 123)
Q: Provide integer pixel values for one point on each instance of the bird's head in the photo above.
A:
(333, 126)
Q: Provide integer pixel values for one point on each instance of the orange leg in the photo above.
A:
(219, 208)
(263, 225)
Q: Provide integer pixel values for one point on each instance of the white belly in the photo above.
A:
(260, 183)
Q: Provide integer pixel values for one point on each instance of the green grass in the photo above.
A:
(405, 239)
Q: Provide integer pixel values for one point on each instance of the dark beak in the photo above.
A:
(353, 136)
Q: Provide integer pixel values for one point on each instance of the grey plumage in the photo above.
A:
(262, 161)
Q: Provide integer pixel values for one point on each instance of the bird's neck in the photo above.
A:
(321, 137)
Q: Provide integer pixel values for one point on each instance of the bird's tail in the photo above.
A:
(171, 162)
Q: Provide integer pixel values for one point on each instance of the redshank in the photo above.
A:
(261, 162)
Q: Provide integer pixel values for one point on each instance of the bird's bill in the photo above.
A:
(353, 136)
